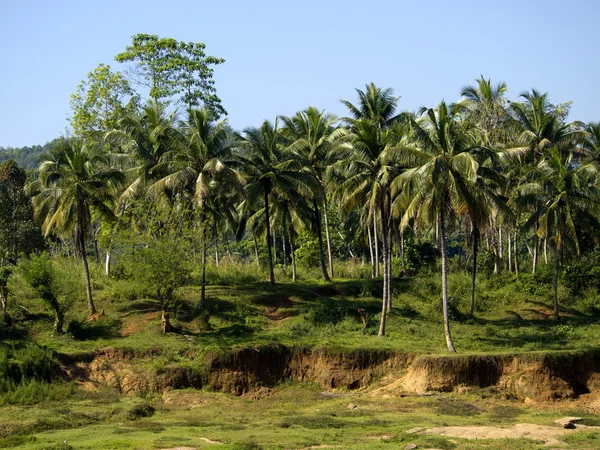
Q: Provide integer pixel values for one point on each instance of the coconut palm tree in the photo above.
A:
(69, 183)
(200, 166)
(540, 126)
(314, 135)
(269, 169)
(441, 183)
(563, 194)
(485, 107)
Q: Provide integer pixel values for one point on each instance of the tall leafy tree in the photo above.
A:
(100, 102)
(68, 184)
(173, 70)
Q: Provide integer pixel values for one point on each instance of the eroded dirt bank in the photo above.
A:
(528, 376)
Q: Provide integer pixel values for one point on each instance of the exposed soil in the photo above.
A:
(547, 434)
(251, 371)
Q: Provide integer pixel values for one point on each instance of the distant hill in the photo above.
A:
(26, 157)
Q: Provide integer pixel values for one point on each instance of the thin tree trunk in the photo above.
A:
(449, 342)
(320, 239)
(329, 253)
(402, 250)
(509, 252)
(227, 244)
(283, 248)
(384, 306)
(96, 251)
(535, 254)
(107, 263)
(204, 258)
(270, 254)
(390, 252)
(59, 321)
(165, 321)
(474, 270)
(274, 249)
(371, 251)
(376, 242)
(293, 256)
(256, 249)
(546, 251)
(556, 260)
(516, 255)
(4, 301)
(86, 269)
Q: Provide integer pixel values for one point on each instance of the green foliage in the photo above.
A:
(584, 272)
(140, 410)
(174, 70)
(100, 102)
(39, 273)
(18, 231)
(160, 264)
(420, 254)
(24, 371)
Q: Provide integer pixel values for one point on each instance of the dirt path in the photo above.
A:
(548, 434)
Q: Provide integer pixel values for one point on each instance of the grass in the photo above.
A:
(290, 416)
(513, 315)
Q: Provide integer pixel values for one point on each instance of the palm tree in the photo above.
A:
(441, 182)
(71, 181)
(484, 106)
(365, 169)
(314, 136)
(200, 165)
(564, 194)
(268, 170)
(541, 125)
(145, 137)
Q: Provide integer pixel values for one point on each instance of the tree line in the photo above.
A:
(505, 173)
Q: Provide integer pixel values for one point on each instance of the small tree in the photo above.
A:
(161, 266)
(38, 272)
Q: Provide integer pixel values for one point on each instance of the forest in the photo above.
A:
(381, 224)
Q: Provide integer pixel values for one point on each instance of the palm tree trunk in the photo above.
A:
(293, 255)
(390, 252)
(4, 301)
(86, 269)
(535, 254)
(474, 270)
(256, 249)
(274, 249)
(329, 253)
(320, 239)
(376, 242)
(384, 306)
(371, 251)
(442, 228)
(267, 220)
(284, 251)
(509, 252)
(204, 258)
(107, 263)
(516, 255)
(556, 259)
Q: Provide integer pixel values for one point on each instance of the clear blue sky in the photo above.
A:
(282, 57)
